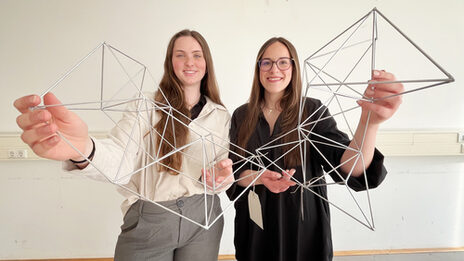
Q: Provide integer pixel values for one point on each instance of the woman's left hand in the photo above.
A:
(381, 109)
(222, 175)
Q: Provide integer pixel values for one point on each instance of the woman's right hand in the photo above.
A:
(40, 129)
(277, 182)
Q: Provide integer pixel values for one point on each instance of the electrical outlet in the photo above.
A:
(461, 137)
(11, 154)
(21, 154)
(17, 154)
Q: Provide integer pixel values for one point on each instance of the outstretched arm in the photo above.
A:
(380, 110)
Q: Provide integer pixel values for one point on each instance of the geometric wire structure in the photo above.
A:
(360, 43)
(334, 70)
(339, 71)
(376, 42)
(121, 91)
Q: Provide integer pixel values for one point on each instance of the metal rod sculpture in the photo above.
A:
(319, 75)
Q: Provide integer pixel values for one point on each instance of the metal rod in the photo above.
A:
(70, 71)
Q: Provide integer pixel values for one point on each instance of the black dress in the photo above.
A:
(286, 235)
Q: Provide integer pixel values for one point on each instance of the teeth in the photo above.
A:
(274, 79)
(189, 71)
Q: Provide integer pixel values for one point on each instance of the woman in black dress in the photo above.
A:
(296, 221)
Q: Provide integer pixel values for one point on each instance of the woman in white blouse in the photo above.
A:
(150, 232)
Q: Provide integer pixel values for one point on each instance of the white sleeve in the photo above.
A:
(115, 158)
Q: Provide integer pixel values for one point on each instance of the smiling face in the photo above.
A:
(188, 61)
(275, 80)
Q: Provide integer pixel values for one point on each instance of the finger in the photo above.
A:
(388, 102)
(382, 75)
(43, 147)
(276, 176)
(292, 171)
(288, 183)
(225, 172)
(225, 163)
(219, 179)
(209, 176)
(377, 108)
(272, 175)
(289, 174)
(285, 174)
(24, 103)
(380, 93)
(391, 102)
(205, 174)
(60, 112)
(31, 119)
(387, 86)
(274, 190)
(393, 88)
(38, 134)
(384, 97)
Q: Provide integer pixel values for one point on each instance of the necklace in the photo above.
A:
(270, 110)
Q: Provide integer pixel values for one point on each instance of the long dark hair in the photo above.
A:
(290, 103)
(172, 89)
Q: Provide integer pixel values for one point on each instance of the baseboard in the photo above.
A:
(336, 253)
(397, 251)
(63, 259)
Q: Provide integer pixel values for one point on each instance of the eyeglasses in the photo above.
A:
(283, 63)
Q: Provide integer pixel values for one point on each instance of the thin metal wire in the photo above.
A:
(68, 72)
(308, 138)
(336, 94)
(450, 77)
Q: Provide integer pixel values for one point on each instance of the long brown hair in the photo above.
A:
(176, 134)
(290, 103)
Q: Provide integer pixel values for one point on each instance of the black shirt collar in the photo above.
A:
(196, 109)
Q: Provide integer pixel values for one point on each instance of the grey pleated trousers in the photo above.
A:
(151, 233)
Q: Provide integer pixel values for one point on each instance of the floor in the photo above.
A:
(447, 256)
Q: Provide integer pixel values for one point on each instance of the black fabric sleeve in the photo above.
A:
(375, 173)
(328, 143)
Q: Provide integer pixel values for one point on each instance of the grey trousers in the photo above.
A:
(152, 233)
